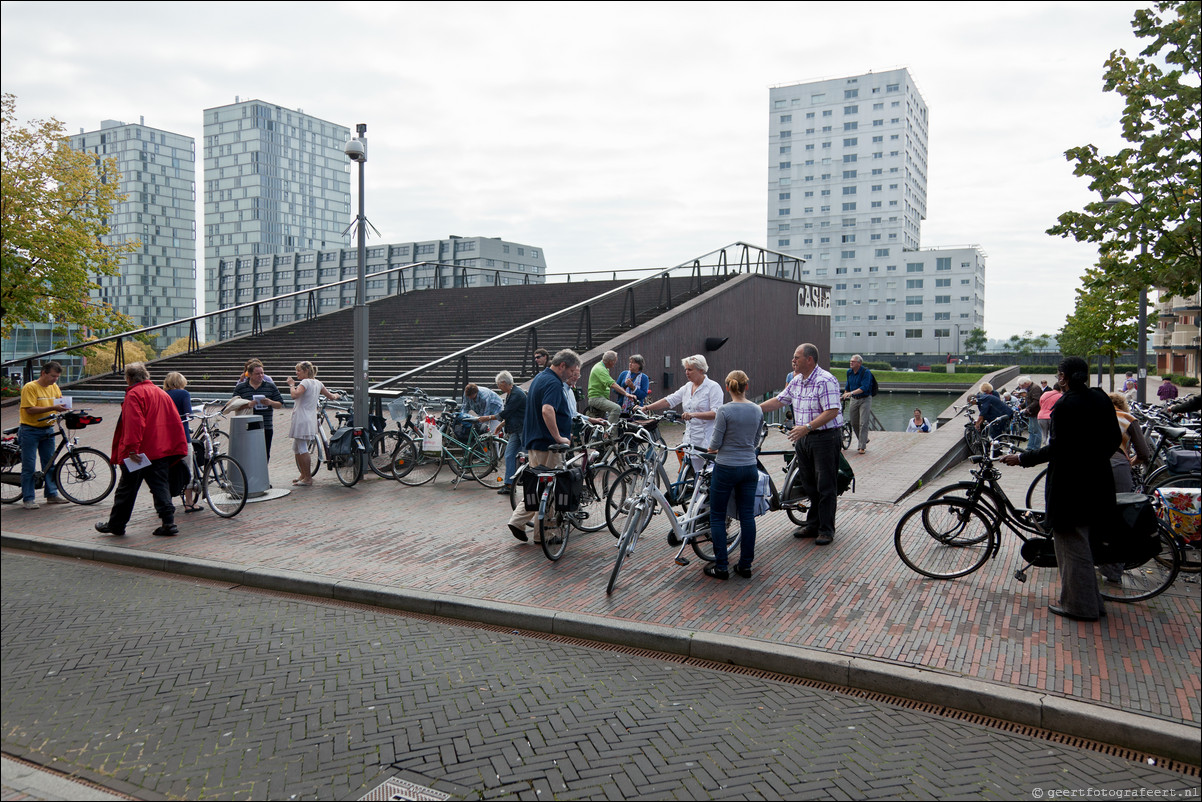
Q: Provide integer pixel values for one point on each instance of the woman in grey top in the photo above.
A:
(736, 430)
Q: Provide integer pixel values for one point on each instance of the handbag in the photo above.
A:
(763, 497)
(431, 436)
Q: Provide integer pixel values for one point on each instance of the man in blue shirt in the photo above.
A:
(859, 392)
(548, 420)
(481, 402)
(995, 414)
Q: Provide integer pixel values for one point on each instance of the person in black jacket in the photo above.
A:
(1080, 486)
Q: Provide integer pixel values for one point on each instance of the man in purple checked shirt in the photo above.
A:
(817, 418)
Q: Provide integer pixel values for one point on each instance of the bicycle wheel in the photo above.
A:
(703, 544)
(1163, 477)
(597, 484)
(966, 493)
(1136, 582)
(636, 522)
(314, 456)
(382, 453)
(84, 475)
(619, 500)
(486, 455)
(1035, 491)
(415, 467)
(10, 483)
(962, 540)
(553, 528)
(349, 467)
(845, 436)
(224, 486)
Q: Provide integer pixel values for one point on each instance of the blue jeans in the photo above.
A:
(36, 441)
(742, 481)
(511, 456)
(1034, 435)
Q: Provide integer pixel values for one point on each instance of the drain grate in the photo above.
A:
(399, 789)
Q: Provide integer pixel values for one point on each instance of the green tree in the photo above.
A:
(1104, 320)
(1158, 175)
(56, 205)
(974, 343)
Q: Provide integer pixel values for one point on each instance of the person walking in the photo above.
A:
(39, 399)
(1080, 485)
(548, 421)
(817, 417)
(736, 472)
(859, 392)
(148, 439)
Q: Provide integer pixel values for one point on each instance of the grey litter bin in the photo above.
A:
(250, 449)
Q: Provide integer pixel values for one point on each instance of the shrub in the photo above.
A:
(99, 358)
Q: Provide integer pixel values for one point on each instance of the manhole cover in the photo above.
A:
(403, 789)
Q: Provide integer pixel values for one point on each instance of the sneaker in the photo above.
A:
(29, 505)
(56, 500)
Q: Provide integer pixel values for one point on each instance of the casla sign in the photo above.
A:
(812, 300)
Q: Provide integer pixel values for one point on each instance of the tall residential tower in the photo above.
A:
(275, 180)
(847, 191)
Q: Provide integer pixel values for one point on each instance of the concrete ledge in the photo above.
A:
(496, 613)
(387, 596)
(792, 661)
(46, 545)
(626, 633)
(289, 581)
(206, 569)
(1129, 730)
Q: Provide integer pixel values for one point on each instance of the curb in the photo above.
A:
(1072, 717)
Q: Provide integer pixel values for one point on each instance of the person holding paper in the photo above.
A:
(149, 437)
(40, 399)
(257, 387)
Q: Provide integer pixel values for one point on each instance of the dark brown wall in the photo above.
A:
(758, 314)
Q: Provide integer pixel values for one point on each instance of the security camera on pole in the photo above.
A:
(356, 151)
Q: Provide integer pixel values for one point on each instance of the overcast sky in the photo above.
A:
(616, 135)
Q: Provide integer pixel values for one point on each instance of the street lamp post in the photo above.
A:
(356, 151)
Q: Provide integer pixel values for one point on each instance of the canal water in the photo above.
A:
(894, 410)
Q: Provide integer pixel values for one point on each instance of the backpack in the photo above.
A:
(846, 477)
(873, 387)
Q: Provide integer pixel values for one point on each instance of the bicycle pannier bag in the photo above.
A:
(342, 442)
(1183, 460)
(763, 498)
(530, 493)
(846, 477)
(1134, 537)
(569, 489)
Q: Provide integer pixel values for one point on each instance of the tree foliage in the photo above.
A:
(99, 358)
(1105, 319)
(179, 346)
(1157, 176)
(974, 343)
(56, 205)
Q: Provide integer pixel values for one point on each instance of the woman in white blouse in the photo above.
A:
(699, 399)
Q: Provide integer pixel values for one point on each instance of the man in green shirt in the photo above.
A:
(600, 382)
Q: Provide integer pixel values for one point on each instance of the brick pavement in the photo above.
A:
(853, 602)
(165, 687)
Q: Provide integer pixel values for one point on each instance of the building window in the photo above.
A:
(880, 251)
(942, 263)
(913, 267)
(782, 243)
(913, 284)
(786, 118)
(943, 282)
(850, 126)
(847, 255)
(913, 300)
(913, 334)
(783, 212)
(943, 299)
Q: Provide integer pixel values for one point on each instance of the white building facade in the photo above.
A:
(847, 192)
(275, 181)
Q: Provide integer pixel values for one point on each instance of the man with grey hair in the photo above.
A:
(1030, 405)
(859, 392)
(149, 438)
(548, 421)
(512, 418)
(600, 382)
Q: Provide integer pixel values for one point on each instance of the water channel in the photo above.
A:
(895, 409)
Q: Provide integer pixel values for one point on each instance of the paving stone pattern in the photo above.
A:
(186, 689)
(854, 597)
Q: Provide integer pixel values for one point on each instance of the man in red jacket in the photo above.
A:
(149, 427)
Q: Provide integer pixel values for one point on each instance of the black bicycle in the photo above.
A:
(83, 474)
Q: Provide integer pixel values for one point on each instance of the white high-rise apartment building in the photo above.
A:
(847, 192)
(275, 181)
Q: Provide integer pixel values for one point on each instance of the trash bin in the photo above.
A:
(249, 448)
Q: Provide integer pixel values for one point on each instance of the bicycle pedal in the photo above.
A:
(1020, 575)
(682, 560)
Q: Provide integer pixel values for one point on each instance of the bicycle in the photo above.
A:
(347, 462)
(690, 529)
(561, 507)
(417, 460)
(217, 477)
(599, 477)
(83, 474)
(952, 536)
(977, 438)
(381, 445)
(649, 443)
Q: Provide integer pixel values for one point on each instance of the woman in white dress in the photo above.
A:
(305, 389)
(699, 399)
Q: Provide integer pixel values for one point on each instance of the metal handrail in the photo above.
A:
(584, 307)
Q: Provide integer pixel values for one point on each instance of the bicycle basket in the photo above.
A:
(80, 420)
(1183, 510)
